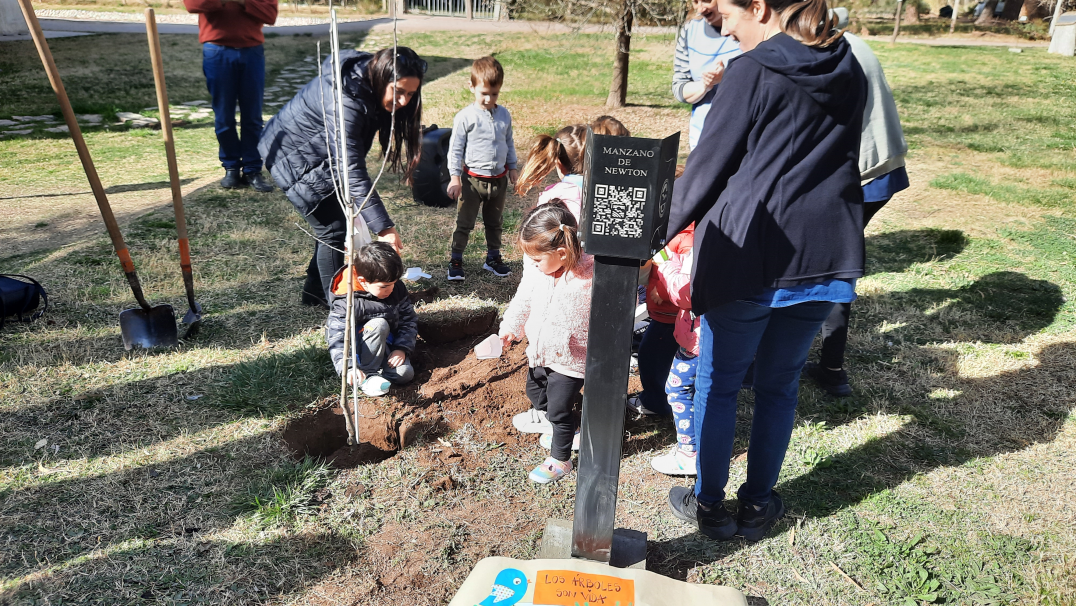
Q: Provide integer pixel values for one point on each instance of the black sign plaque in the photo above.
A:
(627, 190)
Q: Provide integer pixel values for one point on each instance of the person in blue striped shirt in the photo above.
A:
(700, 59)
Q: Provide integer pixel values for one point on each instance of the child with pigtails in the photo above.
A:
(551, 308)
(564, 153)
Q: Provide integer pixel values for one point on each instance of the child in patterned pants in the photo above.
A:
(680, 389)
(680, 386)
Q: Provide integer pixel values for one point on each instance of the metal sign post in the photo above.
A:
(627, 190)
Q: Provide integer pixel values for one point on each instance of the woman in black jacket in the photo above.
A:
(773, 186)
(298, 142)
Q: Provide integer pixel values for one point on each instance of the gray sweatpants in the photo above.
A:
(374, 351)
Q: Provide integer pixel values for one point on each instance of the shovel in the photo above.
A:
(194, 312)
(146, 327)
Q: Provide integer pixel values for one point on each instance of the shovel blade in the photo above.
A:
(147, 329)
(193, 315)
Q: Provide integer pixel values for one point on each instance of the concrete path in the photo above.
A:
(406, 23)
(422, 23)
(954, 41)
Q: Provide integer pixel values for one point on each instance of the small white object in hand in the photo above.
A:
(490, 348)
(414, 273)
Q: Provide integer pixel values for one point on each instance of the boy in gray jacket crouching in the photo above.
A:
(386, 326)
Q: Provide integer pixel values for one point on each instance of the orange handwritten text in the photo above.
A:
(567, 588)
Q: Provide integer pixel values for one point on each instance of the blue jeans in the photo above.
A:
(680, 389)
(655, 358)
(236, 75)
(778, 340)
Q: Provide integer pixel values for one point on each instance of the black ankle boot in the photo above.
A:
(259, 182)
(313, 295)
(233, 179)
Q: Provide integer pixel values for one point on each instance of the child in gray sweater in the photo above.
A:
(481, 162)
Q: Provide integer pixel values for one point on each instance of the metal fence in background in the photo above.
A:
(481, 9)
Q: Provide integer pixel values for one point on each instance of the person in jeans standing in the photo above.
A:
(778, 213)
(233, 60)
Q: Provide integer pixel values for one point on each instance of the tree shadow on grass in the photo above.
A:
(134, 415)
(1005, 413)
(158, 531)
(1008, 412)
(229, 321)
(896, 251)
(1000, 307)
(114, 189)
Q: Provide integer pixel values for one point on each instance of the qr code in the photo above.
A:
(618, 211)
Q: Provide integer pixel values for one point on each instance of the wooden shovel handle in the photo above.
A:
(83, 152)
(170, 151)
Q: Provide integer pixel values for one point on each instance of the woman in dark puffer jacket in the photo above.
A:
(297, 145)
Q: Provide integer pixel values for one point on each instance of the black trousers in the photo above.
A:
(835, 328)
(556, 394)
(330, 226)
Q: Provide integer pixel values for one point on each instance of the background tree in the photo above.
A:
(911, 12)
(987, 16)
(622, 15)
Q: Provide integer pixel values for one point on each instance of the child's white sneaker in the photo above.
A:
(550, 470)
(532, 421)
(676, 463)
(546, 441)
(375, 385)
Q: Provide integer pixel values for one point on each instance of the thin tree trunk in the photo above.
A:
(956, 11)
(618, 89)
(1011, 12)
(988, 13)
(896, 22)
(911, 11)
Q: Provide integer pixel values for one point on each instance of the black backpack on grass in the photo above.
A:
(18, 297)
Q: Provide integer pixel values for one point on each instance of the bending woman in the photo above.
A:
(297, 145)
(778, 240)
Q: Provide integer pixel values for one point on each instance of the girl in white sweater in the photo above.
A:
(552, 309)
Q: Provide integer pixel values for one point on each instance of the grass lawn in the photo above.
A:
(162, 477)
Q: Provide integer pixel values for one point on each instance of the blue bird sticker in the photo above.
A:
(508, 588)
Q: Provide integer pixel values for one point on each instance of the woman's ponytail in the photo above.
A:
(567, 148)
(810, 22)
(541, 161)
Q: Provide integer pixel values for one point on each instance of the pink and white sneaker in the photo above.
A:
(676, 462)
(550, 470)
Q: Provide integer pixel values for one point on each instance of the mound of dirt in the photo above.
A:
(323, 434)
(452, 388)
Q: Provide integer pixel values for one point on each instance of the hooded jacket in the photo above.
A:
(662, 303)
(554, 315)
(296, 150)
(773, 185)
(396, 309)
(677, 277)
